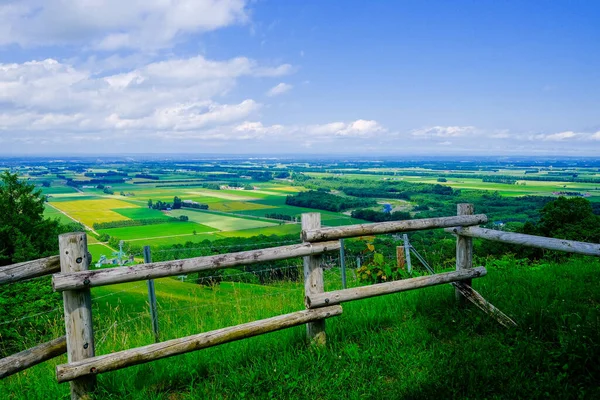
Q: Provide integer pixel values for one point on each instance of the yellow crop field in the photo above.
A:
(220, 194)
(90, 211)
(229, 206)
(291, 189)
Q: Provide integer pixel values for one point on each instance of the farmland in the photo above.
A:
(236, 205)
(200, 208)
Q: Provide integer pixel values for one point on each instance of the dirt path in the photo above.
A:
(68, 216)
(170, 236)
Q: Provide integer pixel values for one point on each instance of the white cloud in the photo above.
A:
(177, 94)
(557, 137)
(278, 89)
(114, 24)
(595, 136)
(358, 128)
(443, 131)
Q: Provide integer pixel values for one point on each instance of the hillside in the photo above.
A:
(417, 344)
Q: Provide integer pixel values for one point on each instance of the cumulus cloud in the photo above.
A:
(278, 89)
(114, 24)
(175, 94)
(443, 131)
(557, 137)
(358, 128)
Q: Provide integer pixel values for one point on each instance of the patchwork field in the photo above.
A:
(158, 230)
(220, 221)
(90, 211)
(235, 206)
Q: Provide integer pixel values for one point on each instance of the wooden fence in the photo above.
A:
(75, 281)
(45, 351)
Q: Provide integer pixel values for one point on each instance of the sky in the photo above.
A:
(479, 78)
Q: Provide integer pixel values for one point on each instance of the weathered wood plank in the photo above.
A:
(78, 280)
(313, 280)
(478, 300)
(74, 257)
(33, 356)
(570, 246)
(464, 247)
(140, 355)
(363, 292)
(29, 269)
(341, 232)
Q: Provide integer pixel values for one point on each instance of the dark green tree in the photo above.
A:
(570, 218)
(176, 203)
(26, 235)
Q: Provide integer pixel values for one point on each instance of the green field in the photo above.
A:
(169, 241)
(157, 230)
(58, 190)
(285, 229)
(52, 213)
(142, 213)
(220, 221)
(419, 344)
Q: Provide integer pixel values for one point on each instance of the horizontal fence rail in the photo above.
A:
(140, 355)
(363, 292)
(342, 232)
(29, 269)
(30, 357)
(110, 276)
(570, 246)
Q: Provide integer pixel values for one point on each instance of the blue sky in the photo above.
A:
(319, 77)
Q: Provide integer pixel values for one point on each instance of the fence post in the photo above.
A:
(464, 247)
(343, 263)
(407, 253)
(152, 297)
(78, 310)
(313, 280)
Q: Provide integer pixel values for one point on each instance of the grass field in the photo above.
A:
(157, 230)
(141, 213)
(417, 345)
(52, 213)
(58, 190)
(169, 241)
(235, 206)
(285, 229)
(221, 222)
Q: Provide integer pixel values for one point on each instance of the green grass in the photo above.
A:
(58, 190)
(417, 345)
(55, 199)
(286, 229)
(97, 250)
(150, 231)
(141, 213)
(168, 241)
(53, 213)
(220, 221)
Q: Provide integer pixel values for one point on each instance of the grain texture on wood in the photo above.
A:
(570, 246)
(140, 355)
(74, 257)
(313, 280)
(110, 276)
(464, 247)
(478, 300)
(30, 357)
(363, 292)
(29, 269)
(341, 232)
